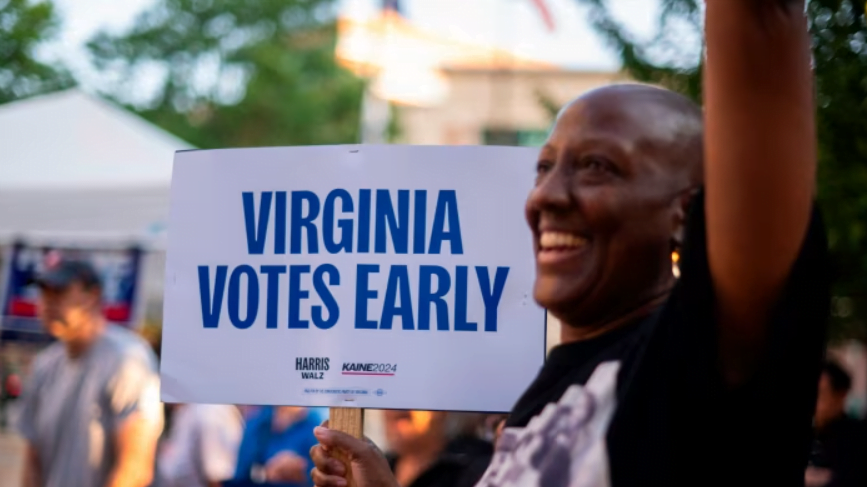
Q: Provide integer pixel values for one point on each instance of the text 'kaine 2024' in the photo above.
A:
(302, 222)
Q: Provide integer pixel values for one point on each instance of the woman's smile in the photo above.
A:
(558, 247)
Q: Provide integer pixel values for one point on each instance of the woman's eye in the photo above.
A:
(543, 167)
(597, 165)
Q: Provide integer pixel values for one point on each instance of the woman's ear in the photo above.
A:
(680, 210)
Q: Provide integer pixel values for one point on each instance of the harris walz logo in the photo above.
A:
(355, 368)
(312, 367)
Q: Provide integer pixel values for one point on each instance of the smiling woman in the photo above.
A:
(607, 210)
(708, 378)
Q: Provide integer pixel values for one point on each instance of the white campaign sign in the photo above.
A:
(355, 276)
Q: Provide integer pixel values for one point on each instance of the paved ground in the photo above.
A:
(11, 453)
(11, 456)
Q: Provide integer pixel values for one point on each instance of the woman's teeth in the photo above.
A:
(558, 240)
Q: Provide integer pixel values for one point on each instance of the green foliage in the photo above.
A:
(394, 130)
(24, 25)
(236, 73)
(668, 59)
(839, 31)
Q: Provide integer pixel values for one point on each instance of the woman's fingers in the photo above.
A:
(369, 466)
(325, 463)
(331, 439)
(328, 472)
(324, 480)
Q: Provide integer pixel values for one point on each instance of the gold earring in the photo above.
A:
(675, 268)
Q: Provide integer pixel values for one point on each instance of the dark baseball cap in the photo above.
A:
(62, 274)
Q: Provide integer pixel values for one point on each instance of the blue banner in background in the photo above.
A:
(118, 268)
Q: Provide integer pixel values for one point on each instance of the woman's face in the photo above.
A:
(604, 208)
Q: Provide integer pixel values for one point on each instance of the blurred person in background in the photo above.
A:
(248, 411)
(435, 449)
(275, 449)
(839, 457)
(201, 448)
(91, 412)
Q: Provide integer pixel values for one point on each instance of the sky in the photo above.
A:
(510, 24)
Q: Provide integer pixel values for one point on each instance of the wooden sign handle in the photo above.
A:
(349, 421)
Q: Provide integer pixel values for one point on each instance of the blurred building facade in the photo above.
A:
(496, 106)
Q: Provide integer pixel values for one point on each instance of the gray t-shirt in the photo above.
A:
(72, 408)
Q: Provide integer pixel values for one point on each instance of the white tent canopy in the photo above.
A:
(74, 165)
(78, 170)
(71, 139)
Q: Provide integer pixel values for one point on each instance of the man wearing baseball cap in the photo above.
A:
(91, 412)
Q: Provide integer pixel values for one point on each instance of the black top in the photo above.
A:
(841, 447)
(456, 466)
(657, 411)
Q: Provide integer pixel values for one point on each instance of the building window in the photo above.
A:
(523, 138)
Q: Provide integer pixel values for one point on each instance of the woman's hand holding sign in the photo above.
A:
(369, 467)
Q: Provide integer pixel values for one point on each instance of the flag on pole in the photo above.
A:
(542, 6)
